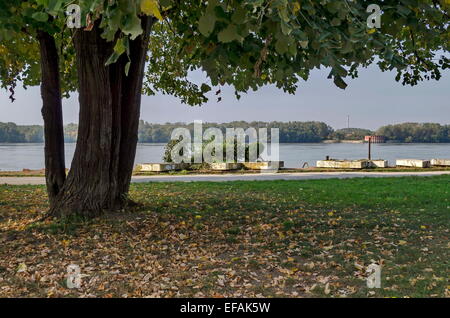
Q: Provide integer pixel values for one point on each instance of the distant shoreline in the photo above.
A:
(294, 132)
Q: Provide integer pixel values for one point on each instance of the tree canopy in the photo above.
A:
(243, 43)
(416, 132)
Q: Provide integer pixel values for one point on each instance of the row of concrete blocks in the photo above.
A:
(364, 164)
(221, 166)
(423, 163)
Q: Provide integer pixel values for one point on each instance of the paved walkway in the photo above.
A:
(245, 177)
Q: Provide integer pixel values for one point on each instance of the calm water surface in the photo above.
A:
(15, 157)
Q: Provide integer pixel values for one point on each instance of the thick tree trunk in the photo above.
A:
(101, 170)
(55, 171)
(131, 108)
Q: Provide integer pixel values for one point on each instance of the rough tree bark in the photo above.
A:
(55, 171)
(131, 97)
(100, 174)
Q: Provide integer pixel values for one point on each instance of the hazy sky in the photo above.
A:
(372, 100)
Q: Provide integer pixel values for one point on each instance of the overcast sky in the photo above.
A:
(372, 100)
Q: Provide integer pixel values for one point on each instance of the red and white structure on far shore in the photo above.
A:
(375, 139)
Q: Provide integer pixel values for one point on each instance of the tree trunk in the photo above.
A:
(55, 172)
(101, 170)
(131, 108)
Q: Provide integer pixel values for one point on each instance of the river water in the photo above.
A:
(15, 157)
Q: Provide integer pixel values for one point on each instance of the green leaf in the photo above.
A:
(120, 48)
(112, 59)
(54, 6)
(40, 16)
(239, 15)
(205, 88)
(132, 26)
(339, 82)
(282, 45)
(229, 34)
(206, 23)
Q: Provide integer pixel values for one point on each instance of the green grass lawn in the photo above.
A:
(253, 239)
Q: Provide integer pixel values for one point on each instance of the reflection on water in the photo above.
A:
(15, 157)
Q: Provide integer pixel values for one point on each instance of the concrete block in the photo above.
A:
(378, 163)
(343, 164)
(264, 165)
(223, 166)
(416, 163)
(161, 167)
(440, 162)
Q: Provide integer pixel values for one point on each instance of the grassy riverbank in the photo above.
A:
(41, 173)
(274, 238)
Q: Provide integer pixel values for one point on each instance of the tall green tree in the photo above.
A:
(126, 47)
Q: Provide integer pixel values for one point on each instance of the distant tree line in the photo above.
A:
(70, 133)
(414, 132)
(351, 134)
(12, 133)
(290, 132)
(309, 132)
